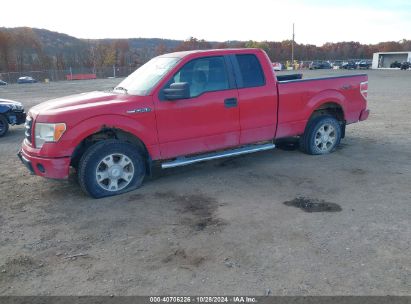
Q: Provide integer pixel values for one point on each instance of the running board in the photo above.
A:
(183, 161)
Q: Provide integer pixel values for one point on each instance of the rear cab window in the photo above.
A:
(251, 71)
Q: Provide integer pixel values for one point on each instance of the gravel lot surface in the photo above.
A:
(221, 227)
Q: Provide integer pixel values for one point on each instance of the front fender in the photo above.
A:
(4, 109)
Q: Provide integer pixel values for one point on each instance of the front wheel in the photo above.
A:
(111, 167)
(4, 125)
(321, 136)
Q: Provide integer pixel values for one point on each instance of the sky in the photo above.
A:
(316, 21)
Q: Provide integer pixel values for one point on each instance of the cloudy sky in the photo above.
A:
(316, 21)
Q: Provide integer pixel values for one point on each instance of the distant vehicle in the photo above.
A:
(395, 64)
(405, 65)
(26, 79)
(3, 82)
(364, 64)
(11, 113)
(349, 65)
(277, 66)
(337, 64)
(317, 65)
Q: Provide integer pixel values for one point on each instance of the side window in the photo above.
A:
(203, 75)
(251, 71)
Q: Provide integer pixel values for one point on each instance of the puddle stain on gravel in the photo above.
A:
(358, 171)
(313, 205)
(199, 209)
(180, 257)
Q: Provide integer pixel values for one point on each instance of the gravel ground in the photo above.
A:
(221, 227)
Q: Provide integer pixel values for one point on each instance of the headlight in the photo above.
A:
(48, 132)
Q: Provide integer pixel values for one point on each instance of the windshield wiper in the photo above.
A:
(121, 89)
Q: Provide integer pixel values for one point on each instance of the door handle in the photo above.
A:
(230, 102)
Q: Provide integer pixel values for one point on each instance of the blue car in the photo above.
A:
(3, 82)
(26, 79)
(11, 113)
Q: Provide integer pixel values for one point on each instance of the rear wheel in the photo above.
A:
(4, 125)
(111, 167)
(321, 136)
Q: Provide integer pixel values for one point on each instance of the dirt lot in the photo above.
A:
(221, 227)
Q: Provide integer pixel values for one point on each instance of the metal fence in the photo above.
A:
(57, 75)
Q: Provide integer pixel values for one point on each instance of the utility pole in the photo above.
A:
(292, 48)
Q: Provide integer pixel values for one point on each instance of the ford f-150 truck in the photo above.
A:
(182, 108)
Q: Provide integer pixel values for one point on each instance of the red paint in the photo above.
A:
(200, 124)
(56, 168)
(364, 115)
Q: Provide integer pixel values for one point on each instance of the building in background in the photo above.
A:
(386, 59)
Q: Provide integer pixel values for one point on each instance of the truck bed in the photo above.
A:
(298, 98)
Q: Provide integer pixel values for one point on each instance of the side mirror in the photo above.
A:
(177, 90)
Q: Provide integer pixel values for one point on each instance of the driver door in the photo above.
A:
(206, 121)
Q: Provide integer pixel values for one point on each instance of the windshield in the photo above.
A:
(147, 76)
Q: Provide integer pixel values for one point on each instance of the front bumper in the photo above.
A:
(56, 168)
(16, 117)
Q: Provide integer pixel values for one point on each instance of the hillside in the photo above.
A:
(24, 49)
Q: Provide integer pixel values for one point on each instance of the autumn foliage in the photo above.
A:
(33, 49)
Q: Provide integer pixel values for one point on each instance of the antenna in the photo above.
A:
(292, 47)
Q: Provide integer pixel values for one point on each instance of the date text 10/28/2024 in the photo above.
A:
(202, 299)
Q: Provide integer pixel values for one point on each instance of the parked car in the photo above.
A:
(364, 64)
(337, 64)
(26, 79)
(277, 66)
(316, 65)
(395, 64)
(3, 82)
(349, 65)
(11, 113)
(405, 65)
(183, 108)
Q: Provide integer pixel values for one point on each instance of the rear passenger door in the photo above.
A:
(257, 98)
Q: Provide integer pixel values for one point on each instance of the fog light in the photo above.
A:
(41, 168)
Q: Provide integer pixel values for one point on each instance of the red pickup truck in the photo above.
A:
(182, 108)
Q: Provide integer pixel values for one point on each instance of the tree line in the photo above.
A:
(24, 49)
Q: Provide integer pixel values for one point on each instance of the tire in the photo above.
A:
(322, 135)
(111, 167)
(4, 125)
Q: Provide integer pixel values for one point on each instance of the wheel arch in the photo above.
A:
(332, 108)
(110, 133)
(331, 101)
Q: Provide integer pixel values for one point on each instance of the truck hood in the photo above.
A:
(78, 101)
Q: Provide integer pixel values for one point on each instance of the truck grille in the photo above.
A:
(28, 126)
